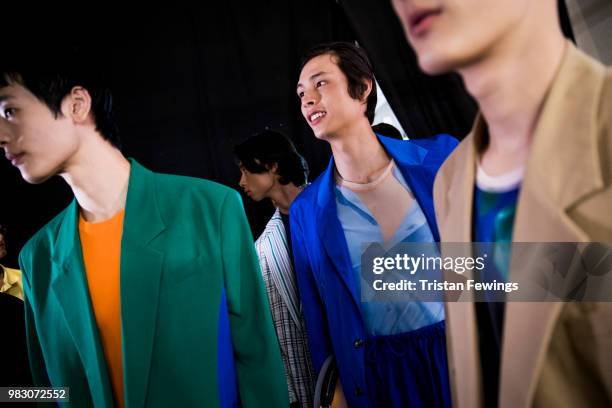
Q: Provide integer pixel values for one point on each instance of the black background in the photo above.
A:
(190, 82)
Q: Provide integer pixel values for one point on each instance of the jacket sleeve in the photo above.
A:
(259, 367)
(312, 303)
(35, 355)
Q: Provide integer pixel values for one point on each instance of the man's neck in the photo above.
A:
(510, 85)
(283, 195)
(358, 155)
(98, 176)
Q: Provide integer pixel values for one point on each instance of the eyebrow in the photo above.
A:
(4, 98)
(311, 78)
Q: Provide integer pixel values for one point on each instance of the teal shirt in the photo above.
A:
(493, 222)
(494, 213)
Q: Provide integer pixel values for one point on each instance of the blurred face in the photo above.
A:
(2, 246)
(33, 140)
(325, 102)
(257, 185)
(448, 35)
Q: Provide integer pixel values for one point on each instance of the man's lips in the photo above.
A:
(14, 158)
(314, 117)
(420, 20)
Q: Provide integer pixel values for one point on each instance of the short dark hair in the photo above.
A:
(50, 76)
(388, 130)
(264, 149)
(354, 63)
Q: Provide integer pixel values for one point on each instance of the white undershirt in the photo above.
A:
(501, 183)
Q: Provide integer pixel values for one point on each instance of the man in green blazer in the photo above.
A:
(192, 324)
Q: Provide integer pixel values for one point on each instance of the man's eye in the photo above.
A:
(8, 113)
(321, 83)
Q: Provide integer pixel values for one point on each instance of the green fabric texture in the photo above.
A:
(184, 241)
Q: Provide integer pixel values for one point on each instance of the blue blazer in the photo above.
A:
(329, 293)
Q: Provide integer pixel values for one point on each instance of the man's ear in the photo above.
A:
(272, 167)
(367, 91)
(77, 104)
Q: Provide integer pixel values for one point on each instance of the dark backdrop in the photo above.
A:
(189, 83)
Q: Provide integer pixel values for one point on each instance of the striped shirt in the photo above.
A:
(277, 270)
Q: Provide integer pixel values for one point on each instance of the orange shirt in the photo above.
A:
(101, 246)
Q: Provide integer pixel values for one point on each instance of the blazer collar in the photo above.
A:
(407, 156)
(141, 209)
(566, 134)
(69, 284)
(564, 166)
(141, 273)
(141, 269)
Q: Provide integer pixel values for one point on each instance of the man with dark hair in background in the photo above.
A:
(145, 290)
(535, 168)
(271, 168)
(375, 189)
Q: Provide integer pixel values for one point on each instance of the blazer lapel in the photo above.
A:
(566, 135)
(331, 233)
(141, 271)
(70, 287)
(410, 159)
(455, 223)
(418, 173)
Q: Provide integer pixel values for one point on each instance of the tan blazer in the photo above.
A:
(553, 354)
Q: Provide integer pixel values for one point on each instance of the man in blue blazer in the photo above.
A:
(375, 189)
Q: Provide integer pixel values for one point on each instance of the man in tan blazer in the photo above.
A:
(545, 130)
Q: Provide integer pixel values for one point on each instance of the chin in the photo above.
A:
(255, 198)
(443, 56)
(34, 178)
(322, 135)
(436, 64)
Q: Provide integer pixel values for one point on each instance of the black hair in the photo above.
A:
(388, 130)
(354, 63)
(260, 152)
(50, 76)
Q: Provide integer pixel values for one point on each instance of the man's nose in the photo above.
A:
(309, 99)
(4, 135)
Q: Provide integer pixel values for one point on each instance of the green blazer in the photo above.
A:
(195, 320)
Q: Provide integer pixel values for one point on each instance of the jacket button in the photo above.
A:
(358, 391)
(358, 343)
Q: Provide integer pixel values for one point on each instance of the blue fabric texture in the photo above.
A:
(326, 280)
(228, 382)
(390, 317)
(408, 369)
